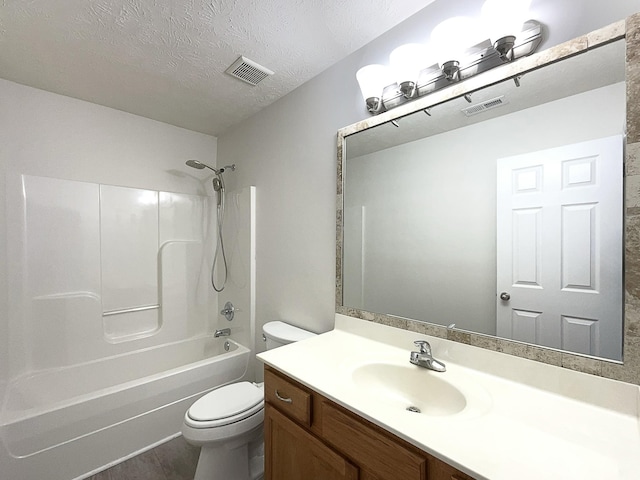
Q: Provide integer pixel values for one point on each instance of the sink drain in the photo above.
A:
(413, 409)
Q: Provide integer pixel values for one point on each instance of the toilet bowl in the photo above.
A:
(227, 423)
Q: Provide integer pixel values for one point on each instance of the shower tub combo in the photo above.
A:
(68, 422)
(111, 318)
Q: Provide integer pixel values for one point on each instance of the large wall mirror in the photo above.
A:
(497, 208)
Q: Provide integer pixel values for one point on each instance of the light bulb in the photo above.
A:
(502, 18)
(408, 60)
(453, 37)
(372, 80)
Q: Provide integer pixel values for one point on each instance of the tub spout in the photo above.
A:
(224, 332)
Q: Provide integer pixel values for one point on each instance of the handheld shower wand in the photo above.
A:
(218, 187)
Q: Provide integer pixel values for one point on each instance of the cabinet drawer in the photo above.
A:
(439, 470)
(371, 449)
(287, 397)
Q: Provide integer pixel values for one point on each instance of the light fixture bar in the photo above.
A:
(482, 57)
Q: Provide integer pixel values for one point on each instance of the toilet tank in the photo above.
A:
(280, 333)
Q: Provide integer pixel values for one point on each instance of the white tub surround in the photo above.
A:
(522, 419)
(120, 389)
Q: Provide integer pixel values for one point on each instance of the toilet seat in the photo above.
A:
(226, 405)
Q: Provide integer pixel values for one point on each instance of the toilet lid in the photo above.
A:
(227, 401)
(285, 333)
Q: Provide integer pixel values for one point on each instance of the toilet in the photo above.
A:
(227, 423)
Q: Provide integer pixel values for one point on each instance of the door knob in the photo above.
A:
(505, 296)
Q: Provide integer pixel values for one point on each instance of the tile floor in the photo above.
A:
(173, 460)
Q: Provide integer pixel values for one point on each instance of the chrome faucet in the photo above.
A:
(225, 332)
(424, 358)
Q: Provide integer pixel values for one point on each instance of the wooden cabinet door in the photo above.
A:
(292, 453)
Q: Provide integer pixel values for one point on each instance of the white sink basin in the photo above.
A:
(419, 390)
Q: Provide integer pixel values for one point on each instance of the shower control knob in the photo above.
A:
(228, 311)
(505, 296)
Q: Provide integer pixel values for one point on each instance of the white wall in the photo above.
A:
(48, 135)
(291, 161)
(430, 236)
(288, 151)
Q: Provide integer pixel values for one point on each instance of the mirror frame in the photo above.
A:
(629, 370)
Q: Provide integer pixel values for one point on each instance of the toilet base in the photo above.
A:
(235, 460)
(256, 460)
(221, 463)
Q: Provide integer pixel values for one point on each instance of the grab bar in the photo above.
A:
(130, 310)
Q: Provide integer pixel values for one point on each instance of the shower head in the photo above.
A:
(199, 165)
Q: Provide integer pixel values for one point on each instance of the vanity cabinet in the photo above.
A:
(294, 453)
(307, 436)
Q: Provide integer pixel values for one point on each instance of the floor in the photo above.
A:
(173, 460)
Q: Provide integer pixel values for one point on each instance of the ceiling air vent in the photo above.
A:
(484, 106)
(248, 71)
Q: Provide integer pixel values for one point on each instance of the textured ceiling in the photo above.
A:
(165, 59)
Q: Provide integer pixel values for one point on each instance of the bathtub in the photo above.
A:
(71, 422)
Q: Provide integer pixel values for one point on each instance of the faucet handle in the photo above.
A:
(423, 345)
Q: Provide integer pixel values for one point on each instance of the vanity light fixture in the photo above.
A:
(407, 61)
(372, 80)
(450, 39)
(504, 47)
(462, 48)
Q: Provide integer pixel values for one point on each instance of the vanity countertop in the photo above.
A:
(523, 419)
